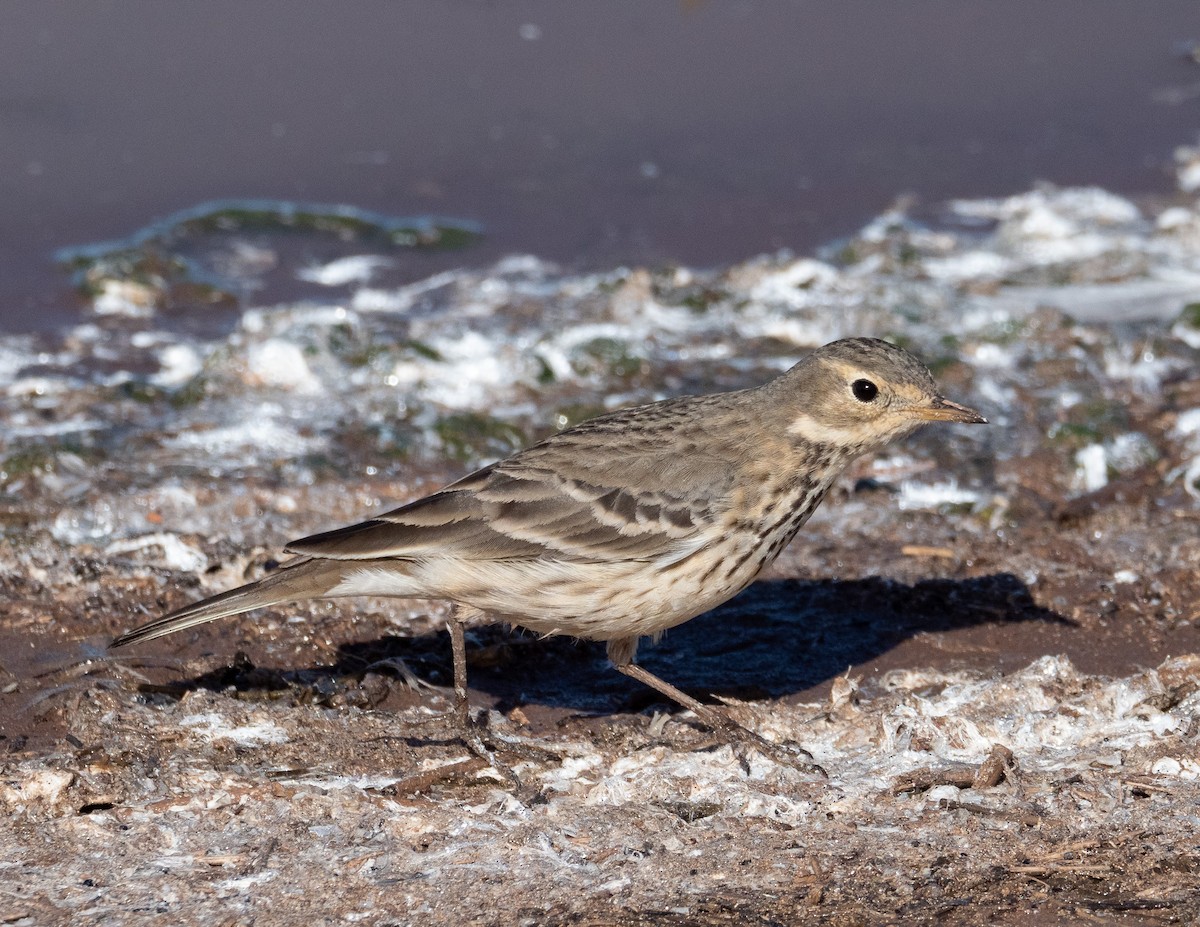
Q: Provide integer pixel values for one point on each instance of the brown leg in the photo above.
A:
(621, 652)
(468, 727)
(458, 645)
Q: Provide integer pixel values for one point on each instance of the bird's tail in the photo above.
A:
(301, 579)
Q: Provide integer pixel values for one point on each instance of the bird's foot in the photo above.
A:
(484, 741)
(471, 734)
(401, 669)
(786, 754)
(714, 718)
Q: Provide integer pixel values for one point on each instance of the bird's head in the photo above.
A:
(861, 393)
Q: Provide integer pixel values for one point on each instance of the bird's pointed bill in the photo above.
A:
(943, 410)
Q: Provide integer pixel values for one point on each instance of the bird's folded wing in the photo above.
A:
(527, 507)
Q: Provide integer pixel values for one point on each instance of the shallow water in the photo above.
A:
(588, 134)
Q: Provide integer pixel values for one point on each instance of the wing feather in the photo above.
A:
(594, 493)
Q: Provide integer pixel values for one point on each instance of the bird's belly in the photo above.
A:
(613, 599)
(596, 601)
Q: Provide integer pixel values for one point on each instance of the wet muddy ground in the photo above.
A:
(988, 638)
(270, 770)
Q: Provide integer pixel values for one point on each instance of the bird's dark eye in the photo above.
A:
(864, 390)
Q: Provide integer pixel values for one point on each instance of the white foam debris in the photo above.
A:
(1187, 334)
(1042, 713)
(358, 268)
(1091, 464)
(990, 354)
(39, 786)
(244, 259)
(792, 284)
(896, 220)
(800, 332)
(251, 734)
(1187, 429)
(406, 297)
(265, 434)
(1186, 767)
(241, 884)
(1129, 451)
(1187, 168)
(1189, 177)
(1133, 300)
(179, 363)
(657, 774)
(558, 348)
(177, 554)
(285, 321)
(14, 357)
(915, 495)
(172, 498)
(975, 265)
(571, 771)
(527, 266)
(1087, 750)
(1175, 218)
(279, 363)
(47, 429)
(92, 523)
(1187, 326)
(1052, 212)
(125, 297)
(515, 341)
(892, 466)
(470, 371)
(1140, 366)
(1187, 425)
(146, 338)
(1124, 577)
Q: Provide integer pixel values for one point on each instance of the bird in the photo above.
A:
(622, 526)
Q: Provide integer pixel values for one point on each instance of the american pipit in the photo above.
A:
(625, 525)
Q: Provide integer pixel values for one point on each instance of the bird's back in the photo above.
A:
(633, 484)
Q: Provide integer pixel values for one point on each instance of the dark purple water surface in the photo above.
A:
(588, 133)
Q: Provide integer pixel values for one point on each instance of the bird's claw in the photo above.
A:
(790, 754)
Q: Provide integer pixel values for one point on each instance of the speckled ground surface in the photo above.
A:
(987, 638)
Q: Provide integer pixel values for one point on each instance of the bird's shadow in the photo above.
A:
(777, 638)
